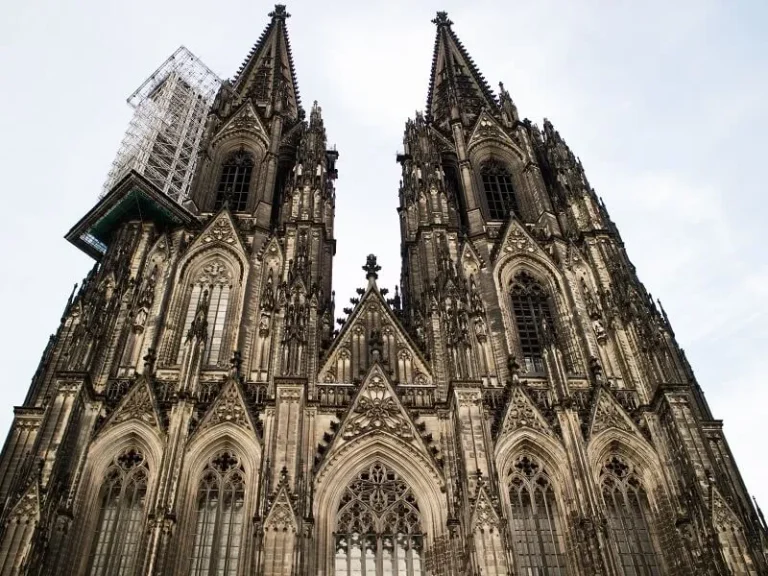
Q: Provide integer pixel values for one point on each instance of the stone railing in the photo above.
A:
(335, 394)
(417, 396)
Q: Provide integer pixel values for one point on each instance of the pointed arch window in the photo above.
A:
(499, 193)
(120, 525)
(628, 513)
(219, 522)
(209, 297)
(534, 520)
(378, 527)
(235, 181)
(530, 307)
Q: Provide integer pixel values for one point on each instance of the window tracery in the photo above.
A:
(628, 513)
(219, 522)
(499, 192)
(534, 520)
(211, 288)
(235, 181)
(532, 313)
(378, 527)
(120, 524)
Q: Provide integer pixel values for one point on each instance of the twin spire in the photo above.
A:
(457, 89)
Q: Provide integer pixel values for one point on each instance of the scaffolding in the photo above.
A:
(170, 110)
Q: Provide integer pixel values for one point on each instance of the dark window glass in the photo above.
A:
(235, 181)
(534, 520)
(530, 307)
(219, 525)
(499, 193)
(627, 510)
(120, 526)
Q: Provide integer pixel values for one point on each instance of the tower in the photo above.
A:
(518, 406)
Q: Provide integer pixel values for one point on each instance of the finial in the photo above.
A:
(279, 13)
(371, 268)
(442, 19)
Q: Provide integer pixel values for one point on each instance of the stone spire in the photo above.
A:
(456, 86)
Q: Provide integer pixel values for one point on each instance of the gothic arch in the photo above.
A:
(535, 488)
(545, 448)
(221, 438)
(647, 467)
(332, 479)
(132, 434)
(253, 141)
(543, 270)
(230, 268)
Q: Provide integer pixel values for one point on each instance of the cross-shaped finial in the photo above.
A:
(442, 19)
(279, 12)
(371, 268)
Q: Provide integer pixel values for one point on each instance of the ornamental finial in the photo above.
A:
(442, 19)
(279, 13)
(371, 268)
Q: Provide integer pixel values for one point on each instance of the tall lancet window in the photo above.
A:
(378, 528)
(530, 307)
(534, 520)
(235, 182)
(628, 515)
(499, 193)
(120, 524)
(219, 523)
(209, 295)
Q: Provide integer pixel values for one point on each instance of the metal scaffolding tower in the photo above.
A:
(163, 138)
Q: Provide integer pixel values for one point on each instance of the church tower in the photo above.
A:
(519, 405)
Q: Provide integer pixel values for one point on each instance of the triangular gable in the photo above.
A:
(220, 229)
(487, 128)
(608, 413)
(229, 406)
(517, 240)
(484, 515)
(244, 121)
(722, 514)
(281, 516)
(521, 412)
(376, 409)
(372, 300)
(137, 404)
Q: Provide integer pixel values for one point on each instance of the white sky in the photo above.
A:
(663, 101)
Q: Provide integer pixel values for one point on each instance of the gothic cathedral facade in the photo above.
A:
(519, 406)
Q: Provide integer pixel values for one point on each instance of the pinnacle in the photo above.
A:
(279, 13)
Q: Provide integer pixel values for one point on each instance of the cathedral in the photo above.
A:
(519, 405)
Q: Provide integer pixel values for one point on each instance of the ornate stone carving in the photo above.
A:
(377, 409)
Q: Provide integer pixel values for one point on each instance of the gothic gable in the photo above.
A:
(608, 413)
(229, 406)
(516, 240)
(281, 516)
(137, 404)
(521, 412)
(376, 410)
(373, 332)
(220, 230)
(484, 514)
(245, 121)
(487, 128)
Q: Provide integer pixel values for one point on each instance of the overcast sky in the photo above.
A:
(664, 102)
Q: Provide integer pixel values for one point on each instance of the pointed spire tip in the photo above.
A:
(442, 19)
(279, 13)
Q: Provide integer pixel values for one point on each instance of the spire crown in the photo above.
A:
(441, 19)
(279, 13)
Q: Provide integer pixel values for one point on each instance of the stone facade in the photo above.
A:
(520, 406)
